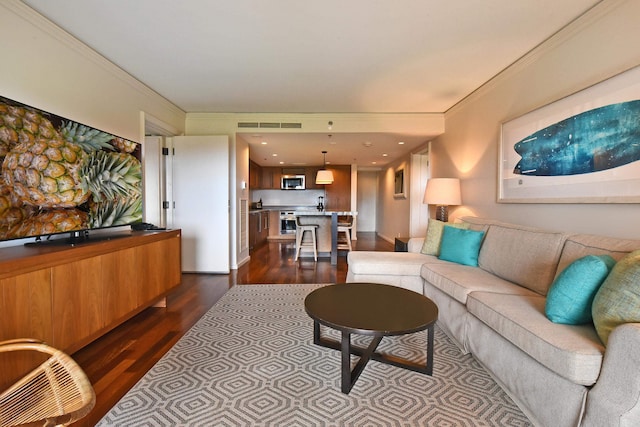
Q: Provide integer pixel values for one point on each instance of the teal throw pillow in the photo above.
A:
(431, 245)
(618, 299)
(571, 294)
(460, 246)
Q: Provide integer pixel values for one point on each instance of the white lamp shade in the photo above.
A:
(443, 191)
(324, 177)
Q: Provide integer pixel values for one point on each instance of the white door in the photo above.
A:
(154, 180)
(200, 189)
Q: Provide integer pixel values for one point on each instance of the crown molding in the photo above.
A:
(557, 39)
(38, 21)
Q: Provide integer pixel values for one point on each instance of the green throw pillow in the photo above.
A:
(431, 245)
(571, 295)
(618, 299)
(460, 246)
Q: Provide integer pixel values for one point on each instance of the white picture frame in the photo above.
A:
(619, 184)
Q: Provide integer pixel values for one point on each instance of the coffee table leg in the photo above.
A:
(345, 351)
(316, 333)
(430, 336)
(350, 376)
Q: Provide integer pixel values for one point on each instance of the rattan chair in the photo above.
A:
(55, 393)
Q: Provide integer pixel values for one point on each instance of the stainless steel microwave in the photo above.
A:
(292, 182)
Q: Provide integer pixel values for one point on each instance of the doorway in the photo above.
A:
(367, 201)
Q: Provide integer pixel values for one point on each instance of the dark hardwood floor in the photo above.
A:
(116, 361)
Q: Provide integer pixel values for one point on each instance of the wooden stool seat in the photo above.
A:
(300, 243)
(345, 224)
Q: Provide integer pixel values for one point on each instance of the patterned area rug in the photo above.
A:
(251, 361)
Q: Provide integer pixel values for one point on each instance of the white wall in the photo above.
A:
(599, 45)
(47, 68)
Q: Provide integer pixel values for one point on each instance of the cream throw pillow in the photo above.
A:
(431, 245)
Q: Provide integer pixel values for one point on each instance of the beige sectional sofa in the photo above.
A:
(559, 375)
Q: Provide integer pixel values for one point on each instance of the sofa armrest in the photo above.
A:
(615, 398)
(415, 244)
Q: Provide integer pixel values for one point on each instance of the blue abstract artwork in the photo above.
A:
(596, 140)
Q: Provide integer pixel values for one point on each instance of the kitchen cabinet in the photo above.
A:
(254, 222)
(274, 223)
(271, 178)
(338, 194)
(310, 178)
(265, 226)
(255, 175)
(259, 226)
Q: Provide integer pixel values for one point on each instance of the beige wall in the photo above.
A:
(47, 68)
(600, 45)
(393, 213)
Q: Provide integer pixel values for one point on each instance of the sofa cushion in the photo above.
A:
(388, 263)
(572, 351)
(579, 245)
(458, 281)
(523, 255)
(618, 299)
(571, 294)
(460, 246)
(431, 245)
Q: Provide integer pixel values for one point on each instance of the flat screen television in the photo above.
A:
(60, 176)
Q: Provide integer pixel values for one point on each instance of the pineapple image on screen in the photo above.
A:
(124, 146)
(12, 211)
(50, 222)
(63, 177)
(44, 165)
(40, 164)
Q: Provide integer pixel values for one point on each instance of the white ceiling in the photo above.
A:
(330, 56)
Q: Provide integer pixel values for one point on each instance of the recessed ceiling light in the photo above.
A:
(274, 155)
(367, 144)
(401, 143)
(384, 154)
(264, 143)
(373, 163)
(282, 163)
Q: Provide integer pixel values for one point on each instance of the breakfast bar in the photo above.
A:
(327, 230)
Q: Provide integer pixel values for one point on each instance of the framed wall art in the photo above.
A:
(398, 182)
(584, 148)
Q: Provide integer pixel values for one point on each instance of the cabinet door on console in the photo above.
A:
(121, 278)
(77, 302)
(159, 273)
(25, 312)
(26, 306)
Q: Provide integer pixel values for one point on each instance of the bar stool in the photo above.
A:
(300, 243)
(345, 224)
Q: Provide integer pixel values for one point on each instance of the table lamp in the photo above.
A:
(442, 192)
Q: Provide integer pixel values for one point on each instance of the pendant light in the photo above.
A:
(324, 176)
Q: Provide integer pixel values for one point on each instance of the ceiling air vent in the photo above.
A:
(269, 125)
(248, 124)
(291, 125)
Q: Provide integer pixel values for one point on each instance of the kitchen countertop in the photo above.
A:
(325, 213)
(285, 208)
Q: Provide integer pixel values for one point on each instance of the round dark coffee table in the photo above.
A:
(370, 309)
